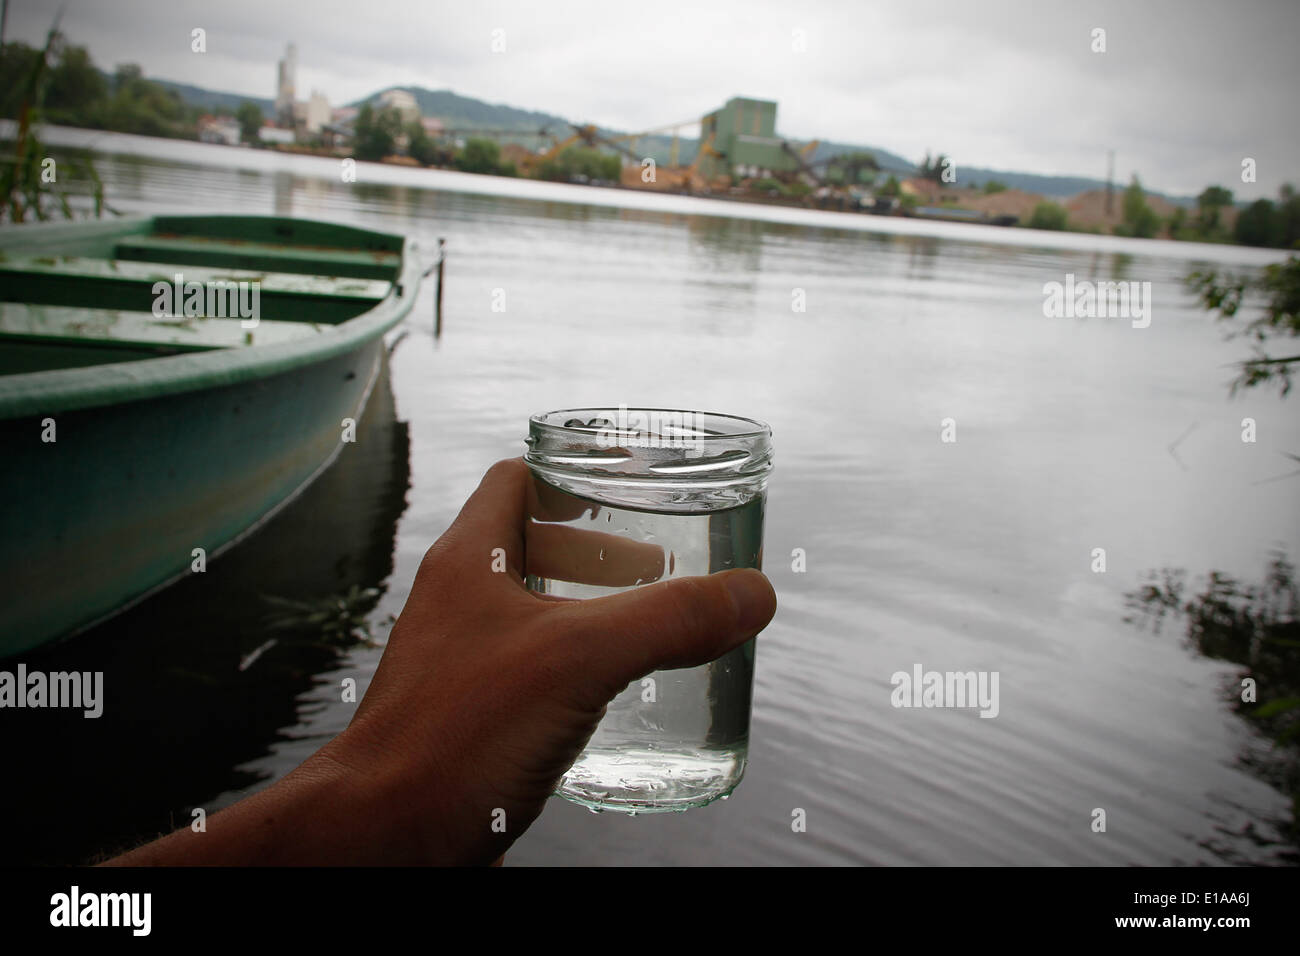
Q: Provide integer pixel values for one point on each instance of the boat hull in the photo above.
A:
(140, 441)
(119, 503)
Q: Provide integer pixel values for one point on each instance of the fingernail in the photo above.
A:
(753, 597)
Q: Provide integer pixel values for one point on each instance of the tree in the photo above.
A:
(18, 62)
(1139, 219)
(1264, 223)
(934, 171)
(1208, 204)
(1289, 214)
(126, 76)
(420, 146)
(994, 186)
(249, 116)
(768, 186)
(74, 84)
(582, 163)
(1048, 215)
(891, 187)
(1258, 225)
(376, 133)
(853, 169)
(1178, 224)
(141, 106)
(479, 156)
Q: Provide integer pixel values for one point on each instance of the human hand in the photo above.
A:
(487, 693)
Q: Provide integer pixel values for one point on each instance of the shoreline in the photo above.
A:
(652, 201)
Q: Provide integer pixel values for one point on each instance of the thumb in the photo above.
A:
(611, 641)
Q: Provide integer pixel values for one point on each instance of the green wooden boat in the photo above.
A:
(143, 415)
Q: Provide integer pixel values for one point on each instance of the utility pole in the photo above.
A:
(1110, 182)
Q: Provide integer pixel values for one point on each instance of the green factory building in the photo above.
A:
(744, 133)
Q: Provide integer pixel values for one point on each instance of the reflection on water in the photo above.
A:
(1257, 628)
(972, 555)
(206, 676)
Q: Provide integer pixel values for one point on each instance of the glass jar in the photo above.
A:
(623, 498)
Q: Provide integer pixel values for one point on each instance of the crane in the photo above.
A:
(706, 149)
(674, 153)
(586, 133)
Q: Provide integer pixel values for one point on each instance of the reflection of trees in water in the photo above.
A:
(723, 267)
(728, 246)
(1120, 264)
(282, 189)
(922, 256)
(1254, 626)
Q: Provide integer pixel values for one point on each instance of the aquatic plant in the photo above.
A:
(337, 620)
(28, 176)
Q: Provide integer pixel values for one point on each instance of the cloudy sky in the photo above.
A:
(1185, 90)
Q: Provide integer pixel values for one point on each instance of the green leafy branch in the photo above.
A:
(1226, 294)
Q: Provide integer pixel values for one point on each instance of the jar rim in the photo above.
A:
(754, 429)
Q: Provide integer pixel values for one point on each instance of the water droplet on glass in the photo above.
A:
(602, 554)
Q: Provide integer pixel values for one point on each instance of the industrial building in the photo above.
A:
(740, 139)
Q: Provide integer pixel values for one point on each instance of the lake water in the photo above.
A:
(967, 555)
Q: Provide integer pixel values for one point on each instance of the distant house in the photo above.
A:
(1093, 209)
(219, 129)
(275, 135)
(401, 101)
(317, 113)
(923, 190)
(432, 125)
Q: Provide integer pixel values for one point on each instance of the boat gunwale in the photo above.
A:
(63, 390)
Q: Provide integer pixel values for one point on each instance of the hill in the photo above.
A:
(466, 113)
(212, 99)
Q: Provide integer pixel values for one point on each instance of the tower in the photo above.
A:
(284, 93)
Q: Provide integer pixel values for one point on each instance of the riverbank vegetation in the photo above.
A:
(30, 185)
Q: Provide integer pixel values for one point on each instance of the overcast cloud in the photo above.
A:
(1185, 90)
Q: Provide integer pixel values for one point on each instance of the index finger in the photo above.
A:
(492, 518)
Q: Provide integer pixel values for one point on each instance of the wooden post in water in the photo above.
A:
(437, 301)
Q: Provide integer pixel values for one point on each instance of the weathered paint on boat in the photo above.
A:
(162, 445)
